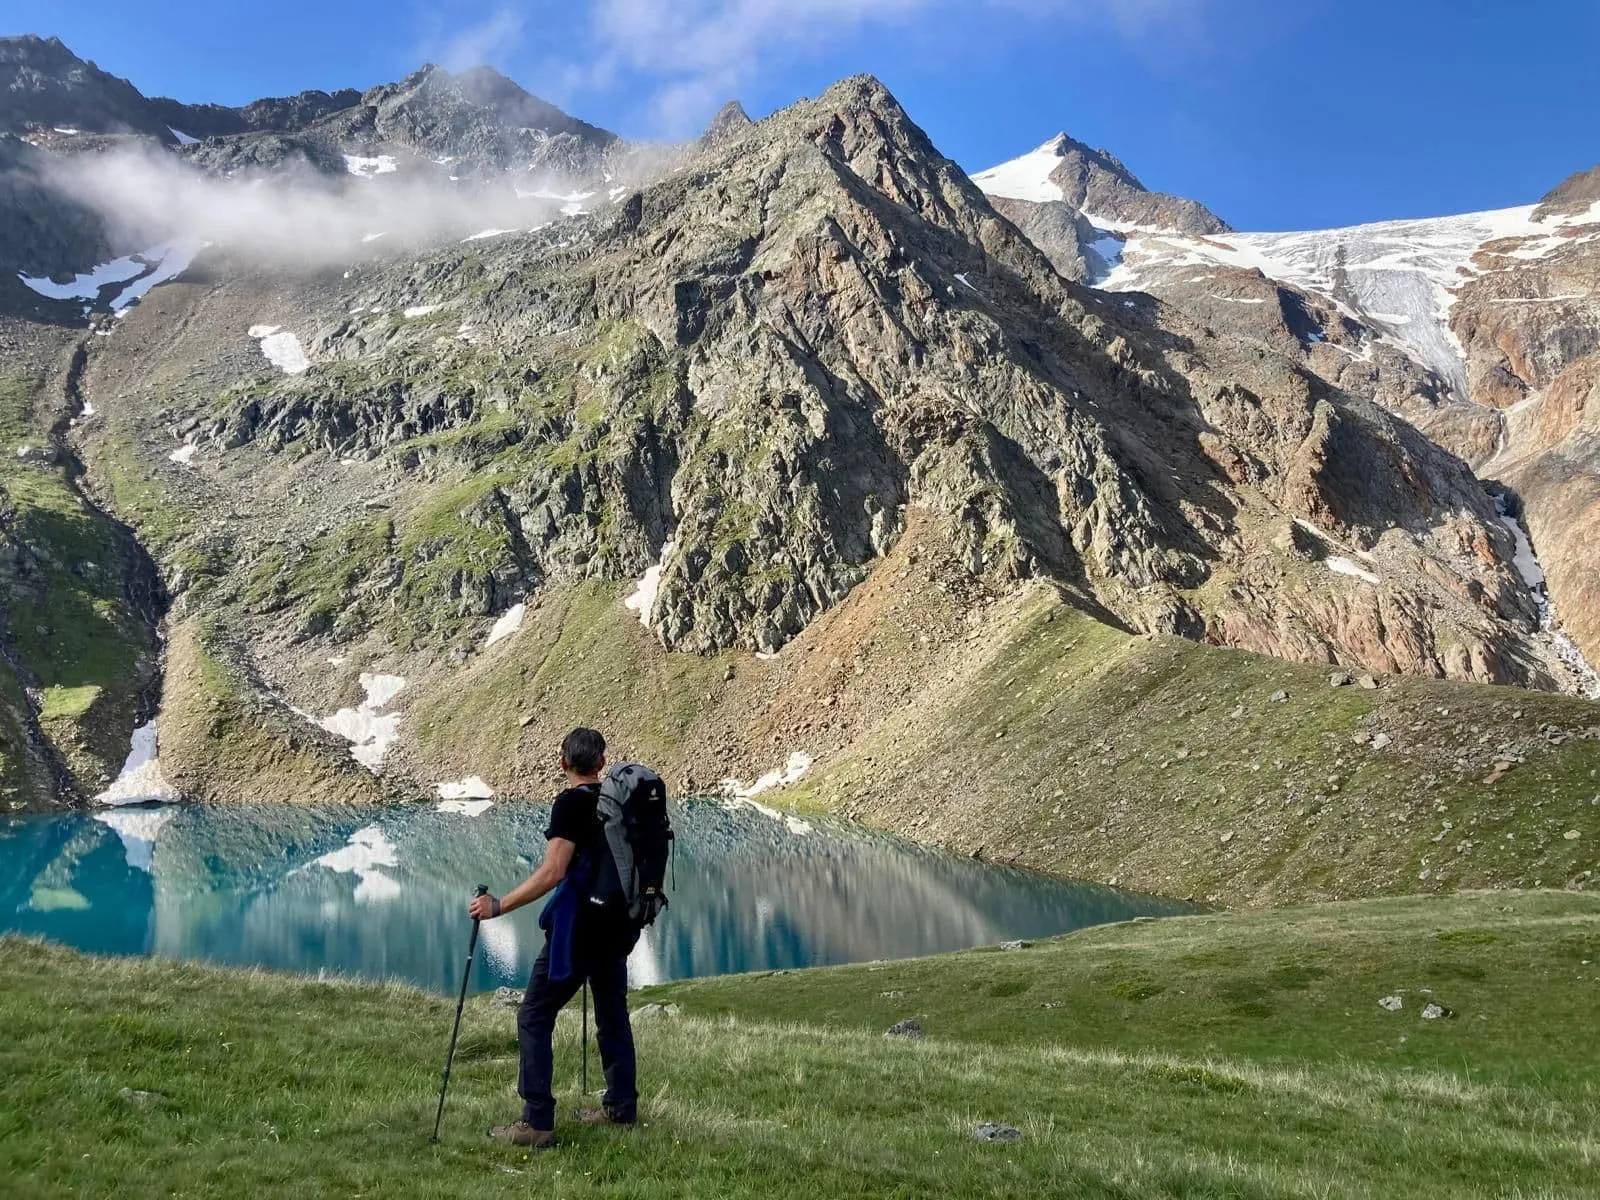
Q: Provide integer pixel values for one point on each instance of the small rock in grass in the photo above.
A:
(1392, 1003)
(1368, 682)
(142, 1099)
(1572, 835)
(909, 1028)
(1017, 945)
(1382, 741)
(506, 997)
(655, 1010)
(1340, 679)
(1434, 1011)
(891, 995)
(1227, 837)
(1278, 697)
(991, 1131)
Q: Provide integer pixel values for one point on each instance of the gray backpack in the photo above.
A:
(637, 842)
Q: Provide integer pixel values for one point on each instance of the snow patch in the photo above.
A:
(507, 625)
(183, 454)
(369, 730)
(367, 850)
(367, 168)
(1343, 566)
(169, 260)
(141, 780)
(487, 233)
(1585, 679)
(183, 138)
(967, 283)
(1028, 177)
(792, 771)
(1524, 559)
(1109, 247)
(572, 203)
(140, 272)
(282, 349)
(139, 829)
(421, 310)
(643, 600)
(471, 788)
(372, 237)
(86, 286)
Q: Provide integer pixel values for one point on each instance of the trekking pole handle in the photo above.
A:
(483, 890)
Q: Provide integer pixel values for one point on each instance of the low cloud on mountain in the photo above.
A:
(294, 216)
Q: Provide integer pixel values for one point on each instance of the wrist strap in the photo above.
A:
(494, 906)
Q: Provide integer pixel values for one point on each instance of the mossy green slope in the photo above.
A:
(257, 1085)
(1185, 769)
(70, 632)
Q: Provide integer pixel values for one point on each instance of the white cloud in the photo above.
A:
(486, 43)
(692, 55)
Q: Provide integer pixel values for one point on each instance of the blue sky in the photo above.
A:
(1278, 114)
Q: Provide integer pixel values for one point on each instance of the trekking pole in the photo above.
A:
(585, 1037)
(472, 950)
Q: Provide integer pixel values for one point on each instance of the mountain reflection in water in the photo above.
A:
(382, 893)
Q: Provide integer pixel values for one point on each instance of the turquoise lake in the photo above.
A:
(382, 893)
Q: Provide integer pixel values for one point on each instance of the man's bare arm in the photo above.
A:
(557, 861)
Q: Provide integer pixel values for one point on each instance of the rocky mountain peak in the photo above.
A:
(1094, 184)
(730, 121)
(481, 97)
(45, 86)
(1574, 195)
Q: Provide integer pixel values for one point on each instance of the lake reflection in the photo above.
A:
(382, 893)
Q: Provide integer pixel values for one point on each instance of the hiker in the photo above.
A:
(606, 889)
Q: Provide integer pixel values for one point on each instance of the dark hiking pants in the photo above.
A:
(607, 975)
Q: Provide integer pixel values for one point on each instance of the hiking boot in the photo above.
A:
(600, 1116)
(523, 1134)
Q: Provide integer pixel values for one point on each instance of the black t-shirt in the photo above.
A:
(573, 816)
(603, 929)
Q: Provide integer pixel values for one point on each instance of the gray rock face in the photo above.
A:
(991, 1131)
(40, 231)
(1095, 182)
(287, 114)
(768, 357)
(731, 121)
(1573, 195)
(43, 86)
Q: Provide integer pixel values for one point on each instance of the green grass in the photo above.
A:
(67, 620)
(1098, 754)
(580, 657)
(783, 1085)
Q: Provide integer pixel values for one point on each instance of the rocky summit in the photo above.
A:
(786, 446)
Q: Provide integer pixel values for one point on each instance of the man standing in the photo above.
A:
(585, 941)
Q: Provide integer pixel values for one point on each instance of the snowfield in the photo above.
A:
(509, 624)
(367, 168)
(282, 349)
(140, 272)
(1028, 177)
(141, 780)
(1398, 277)
(369, 730)
(643, 600)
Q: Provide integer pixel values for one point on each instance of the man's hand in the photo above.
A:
(484, 908)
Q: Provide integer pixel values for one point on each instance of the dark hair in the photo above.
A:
(584, 750)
